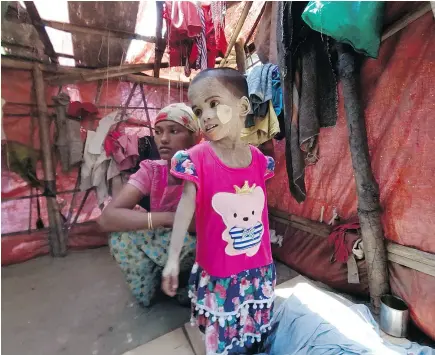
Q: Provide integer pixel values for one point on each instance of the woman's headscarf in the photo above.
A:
(179, 113)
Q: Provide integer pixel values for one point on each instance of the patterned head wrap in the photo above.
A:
(180, 113)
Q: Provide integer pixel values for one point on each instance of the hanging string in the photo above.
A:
(218, 10)
(107, 71)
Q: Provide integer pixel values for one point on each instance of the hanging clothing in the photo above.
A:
(183, 24)
(68, 141)
(77, 109)
(303, 50)
(104, 125)
(265, 38)
(263, 85)
(218, 11)
(264, 129)
(110, 142)
(201, 43)
(22, 160)
(126, 151)
(186, 29)
(343, 246)
(216, 41)
(260, 88)
(94, 170)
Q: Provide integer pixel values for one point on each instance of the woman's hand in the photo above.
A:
(170, 277)
(119, 215)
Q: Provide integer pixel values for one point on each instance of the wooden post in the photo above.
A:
(56, 234)
(160, 42)
(240, 56)
(40, 28)
(236, 32)
(145, 105)
(369, 210)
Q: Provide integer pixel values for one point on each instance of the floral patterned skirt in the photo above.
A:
(233, 311)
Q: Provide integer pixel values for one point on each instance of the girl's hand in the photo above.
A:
(170, 277)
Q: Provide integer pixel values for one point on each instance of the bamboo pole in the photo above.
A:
(142, 91)
(237, 30)
(98, 74)
(37, 22)
(149, 80)
(240, 56)
(111, 107)
(160, 42)
(56, 235)
(406, 20)
(369, 211)
(69, 27)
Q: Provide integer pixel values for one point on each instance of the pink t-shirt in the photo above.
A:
(152, 180)
(232, 222)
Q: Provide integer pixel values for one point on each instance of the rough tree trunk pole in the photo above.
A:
(369, 211)
(56, 235)
(240, 56)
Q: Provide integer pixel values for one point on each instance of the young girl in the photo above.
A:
(232, 281)
(140, 239)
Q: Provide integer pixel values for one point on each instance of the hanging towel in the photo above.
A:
(69, 144)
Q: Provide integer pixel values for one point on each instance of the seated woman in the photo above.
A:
(139, 239)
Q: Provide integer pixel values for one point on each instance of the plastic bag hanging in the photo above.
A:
(358, 23)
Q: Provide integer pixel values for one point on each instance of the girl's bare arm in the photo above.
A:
(183, 218)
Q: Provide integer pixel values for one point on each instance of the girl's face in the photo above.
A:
(219, 112)
(170, 137)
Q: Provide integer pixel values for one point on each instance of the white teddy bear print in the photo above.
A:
(242, 214)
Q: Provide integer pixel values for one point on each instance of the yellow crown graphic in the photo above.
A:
(245, 189)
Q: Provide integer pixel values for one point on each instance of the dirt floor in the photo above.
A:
(80, 305)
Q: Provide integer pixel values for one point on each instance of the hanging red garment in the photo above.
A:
(337, 238)
(183, 25)
(110, 143)
(79, 109)
(214, 48)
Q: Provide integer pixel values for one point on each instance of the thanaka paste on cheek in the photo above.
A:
(224, 113)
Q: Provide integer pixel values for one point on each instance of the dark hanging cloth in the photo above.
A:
(309, 85)
(147, 151)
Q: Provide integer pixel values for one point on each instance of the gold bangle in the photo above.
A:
(150, 221)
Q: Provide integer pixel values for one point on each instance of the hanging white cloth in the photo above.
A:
(96, 146)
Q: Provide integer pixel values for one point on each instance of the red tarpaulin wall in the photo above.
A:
(399, 100)
(17, 88)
